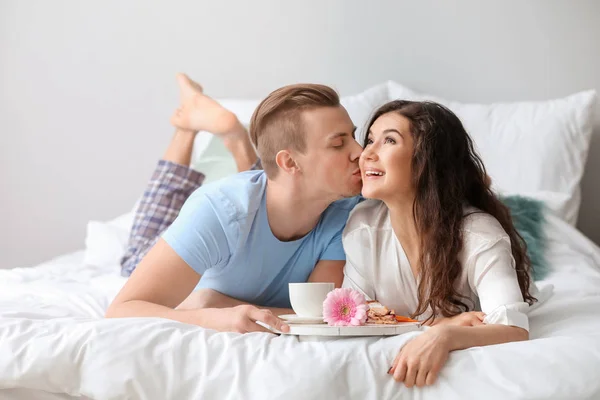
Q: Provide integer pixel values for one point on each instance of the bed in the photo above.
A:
(55, 343)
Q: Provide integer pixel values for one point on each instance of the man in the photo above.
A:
(246, 237)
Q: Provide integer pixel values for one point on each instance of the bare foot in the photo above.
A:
(198, 112)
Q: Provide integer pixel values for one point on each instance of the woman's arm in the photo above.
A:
(420, 360)
(464, 337)
(492, 276)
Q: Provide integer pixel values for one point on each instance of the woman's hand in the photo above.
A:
(421, 359)
(472, 318)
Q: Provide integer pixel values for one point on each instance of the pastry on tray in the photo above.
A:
(380, 314)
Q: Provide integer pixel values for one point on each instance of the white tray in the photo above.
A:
(364, 330)
(323, 332)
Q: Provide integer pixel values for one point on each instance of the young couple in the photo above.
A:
(431, 241)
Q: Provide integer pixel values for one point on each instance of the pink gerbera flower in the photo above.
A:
(344, 307)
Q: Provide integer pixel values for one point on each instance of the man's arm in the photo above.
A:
(330, 267)
(325, 271)
(328, 271)
(194, 243)
(209, 298)
(161, 282)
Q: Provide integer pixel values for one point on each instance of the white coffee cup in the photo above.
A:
(307, 298)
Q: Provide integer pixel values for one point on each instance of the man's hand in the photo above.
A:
(472, 318)
(244, 318)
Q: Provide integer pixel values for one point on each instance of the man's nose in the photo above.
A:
(355, 151)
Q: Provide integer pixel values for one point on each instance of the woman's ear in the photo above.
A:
(286, 162)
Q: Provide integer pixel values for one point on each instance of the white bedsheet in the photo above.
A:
(53, 340)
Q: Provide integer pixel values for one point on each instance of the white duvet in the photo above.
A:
(53, 339)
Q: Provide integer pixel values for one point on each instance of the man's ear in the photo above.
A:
(286, 162)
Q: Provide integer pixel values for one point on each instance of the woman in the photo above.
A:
(433, 241)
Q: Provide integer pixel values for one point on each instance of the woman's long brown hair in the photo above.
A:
(448, 174)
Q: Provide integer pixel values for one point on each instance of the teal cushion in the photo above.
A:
(529, 219)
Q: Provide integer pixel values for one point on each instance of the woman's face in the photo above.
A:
(386, 160)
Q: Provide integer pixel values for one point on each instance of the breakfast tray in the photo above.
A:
(326, 331)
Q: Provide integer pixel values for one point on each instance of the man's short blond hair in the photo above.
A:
(277, 121)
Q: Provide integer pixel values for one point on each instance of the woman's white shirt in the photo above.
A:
(377, 265)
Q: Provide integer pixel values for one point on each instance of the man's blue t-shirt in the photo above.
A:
(223, 233)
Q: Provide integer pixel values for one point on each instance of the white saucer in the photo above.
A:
(295, 319)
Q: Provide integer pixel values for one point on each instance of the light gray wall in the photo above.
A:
(86, 87)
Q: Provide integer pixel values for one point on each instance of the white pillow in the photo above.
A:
(106, 242)
(212, 158)
(538, 149)
(360, 107)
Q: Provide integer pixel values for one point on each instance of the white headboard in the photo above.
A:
(88, 87)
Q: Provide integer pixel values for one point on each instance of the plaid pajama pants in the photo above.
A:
(169, 187)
